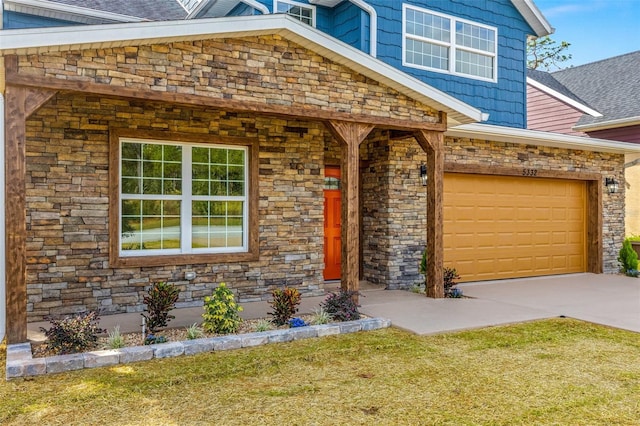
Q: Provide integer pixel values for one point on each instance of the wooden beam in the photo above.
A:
(595, 262)
(433, 144)
(350, 136)
(302, 112)
(15, 214)
(35, 98)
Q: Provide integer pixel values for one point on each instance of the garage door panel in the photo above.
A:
(505, 227)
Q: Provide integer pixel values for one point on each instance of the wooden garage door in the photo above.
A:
(506, 227)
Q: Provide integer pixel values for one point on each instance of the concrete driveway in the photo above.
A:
(612, 300)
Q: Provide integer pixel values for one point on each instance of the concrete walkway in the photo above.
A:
(612, 300)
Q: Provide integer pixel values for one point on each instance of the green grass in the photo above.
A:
(549, 372)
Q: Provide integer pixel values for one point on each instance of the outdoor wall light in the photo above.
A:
(423, 174)
(611, 184)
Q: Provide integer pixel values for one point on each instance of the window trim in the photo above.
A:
(295, 3)
(453, 47)
(118, 260)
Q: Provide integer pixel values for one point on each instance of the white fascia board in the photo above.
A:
(31, 41)
(66, 12)
(534, 17)
(536, 137)
(610, 124)
(577, 105)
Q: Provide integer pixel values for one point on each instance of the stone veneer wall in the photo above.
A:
(67, 162)
(393, 210)
(67, 207)
(394, 205)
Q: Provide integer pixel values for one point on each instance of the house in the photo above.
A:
(596, 100)
(271, 143)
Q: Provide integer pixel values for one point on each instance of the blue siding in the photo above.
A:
(505, 100)
(14, 20)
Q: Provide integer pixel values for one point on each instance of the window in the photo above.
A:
(182, 198)
(444, 43)
(300, 11)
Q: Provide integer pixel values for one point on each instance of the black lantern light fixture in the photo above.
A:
(611, 184)
(423, 174)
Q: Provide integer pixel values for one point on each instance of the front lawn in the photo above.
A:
(549, 372)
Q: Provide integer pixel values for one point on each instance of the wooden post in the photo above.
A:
(433, 144)
(15, 216)
(350, 135)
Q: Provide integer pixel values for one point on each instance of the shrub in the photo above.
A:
(450, 275)
(161, 299)
(320, 316)
(297, 322)
(152, 339)
(115, 339)
(263, 325)
(341, 306)
(285, 304)
(194, 331)
(73, 334)
(628, 258)
(221, 311)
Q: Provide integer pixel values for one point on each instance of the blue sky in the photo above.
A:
(596, 29)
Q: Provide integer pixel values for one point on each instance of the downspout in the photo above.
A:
(373, 25)
(3, 295)
(258, 6)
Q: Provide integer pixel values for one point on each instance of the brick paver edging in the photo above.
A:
(20, 361)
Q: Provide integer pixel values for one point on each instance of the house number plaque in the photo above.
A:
(529, 172)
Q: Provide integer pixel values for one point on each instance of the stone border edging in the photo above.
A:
(20, 361)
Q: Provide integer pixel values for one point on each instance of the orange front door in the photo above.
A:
(332, 212)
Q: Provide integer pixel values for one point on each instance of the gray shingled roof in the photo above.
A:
(610, 86)
(155, 10)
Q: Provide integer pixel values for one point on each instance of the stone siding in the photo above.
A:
(67, 207)
(266, 70)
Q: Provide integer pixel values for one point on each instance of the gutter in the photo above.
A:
(610, 124)
(536, 137)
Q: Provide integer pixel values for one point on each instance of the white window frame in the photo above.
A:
(451, 45)
(186, 199)
(298, 4)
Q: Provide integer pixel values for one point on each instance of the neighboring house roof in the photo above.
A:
(162, 10)
(103, 36)
(611, 87)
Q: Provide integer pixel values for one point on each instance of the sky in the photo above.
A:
(596, 29)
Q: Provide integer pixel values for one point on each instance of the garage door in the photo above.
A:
(506, 227)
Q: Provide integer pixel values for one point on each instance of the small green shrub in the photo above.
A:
(450, 275)
(320, 316)
(73, 334)
(194, 331)
(160, 300)
(341, 305)
(115, 339)
(221, 311)
(152, 339)
(285, 304)
(628, 258)
(263, 325)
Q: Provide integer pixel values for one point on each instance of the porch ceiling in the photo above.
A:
(119, 35)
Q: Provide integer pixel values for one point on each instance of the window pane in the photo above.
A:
(474, 64)
(428, 26)
(475, 37)
(131, 151)
(222, 228)
(427, 54)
